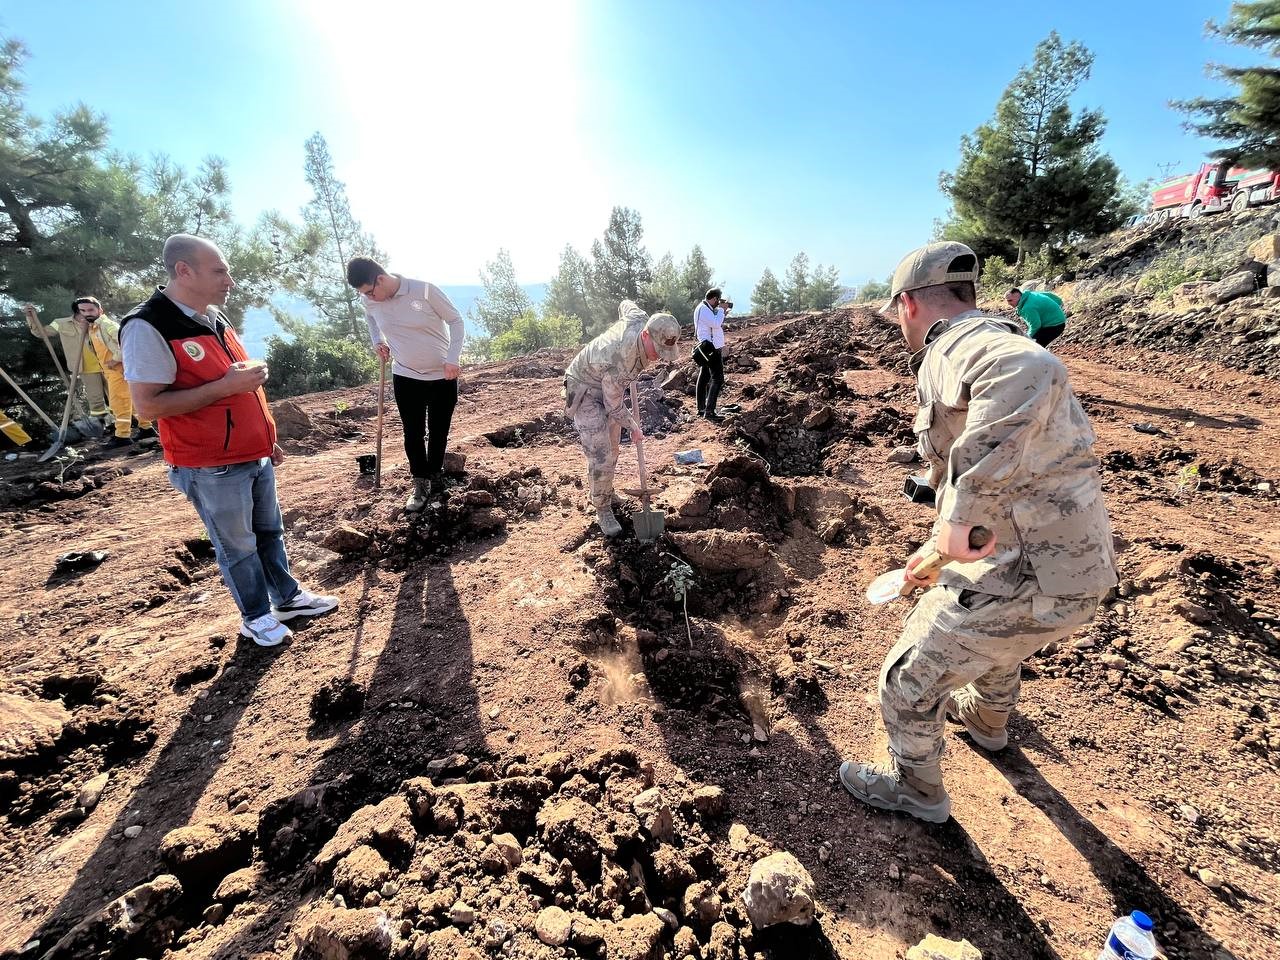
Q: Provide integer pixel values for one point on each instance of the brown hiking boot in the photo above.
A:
(609, 524)
(888, 786)
(988, 728)
(417, 501)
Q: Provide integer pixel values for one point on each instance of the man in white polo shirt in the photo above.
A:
(413, 323)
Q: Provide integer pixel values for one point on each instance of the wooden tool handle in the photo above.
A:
(639, 445)
(934, 561)
(382, 403)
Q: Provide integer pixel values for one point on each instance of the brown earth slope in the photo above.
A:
(506, 686)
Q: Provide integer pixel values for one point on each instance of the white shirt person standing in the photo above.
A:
(413, 323)
(708, 326)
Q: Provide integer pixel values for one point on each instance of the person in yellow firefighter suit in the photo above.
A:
(12, 431)
(68, 331)
(104, 339)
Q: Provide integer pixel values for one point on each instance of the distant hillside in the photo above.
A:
(259, 324)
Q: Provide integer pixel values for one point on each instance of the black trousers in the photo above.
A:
(710, 382)
(1046, 335)
(426, 410)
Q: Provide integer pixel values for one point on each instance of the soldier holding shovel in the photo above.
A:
(595, 386)
(1011, 450)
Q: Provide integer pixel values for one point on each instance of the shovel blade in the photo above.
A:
(648, 524)
(52, 452)
(887, 587)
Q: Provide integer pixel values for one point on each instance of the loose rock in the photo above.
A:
(779, 890)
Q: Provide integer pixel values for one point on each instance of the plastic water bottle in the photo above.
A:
(1131, 939)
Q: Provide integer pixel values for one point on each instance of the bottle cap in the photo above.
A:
(1142, 921)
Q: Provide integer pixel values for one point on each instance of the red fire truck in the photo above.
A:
(1215, 186)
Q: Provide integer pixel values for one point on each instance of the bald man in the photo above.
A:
(187, 369)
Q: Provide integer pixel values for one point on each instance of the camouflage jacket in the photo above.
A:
(605, 366)
(1010, 448)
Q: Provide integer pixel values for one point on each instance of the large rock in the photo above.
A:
(779, 890)
(701, 905)
(1273, 274)
(635, 938)
(207, 852)
(386, 826)
(575, 830)
(91, 792)
(1234, 286)
(341, 934)
(936, 948)
(346, 539)
(29, 726)
(1265, 249)
(292, 422)
(455, 463)
(722, 551)
(119, 921)
(553, 926)
(360, 871)
(654, 814)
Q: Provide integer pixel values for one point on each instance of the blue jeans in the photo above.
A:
(239, 508)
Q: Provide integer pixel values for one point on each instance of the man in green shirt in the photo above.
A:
(1041, 311)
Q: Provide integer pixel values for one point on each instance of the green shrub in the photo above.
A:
(529, 333)
(1165, 274)
(312, 362)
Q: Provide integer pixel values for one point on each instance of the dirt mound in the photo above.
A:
(471, 507)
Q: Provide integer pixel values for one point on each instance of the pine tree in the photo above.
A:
(567, 294)
(1034, 174)
(795, 290)
(665, 291)
(503, 299)
(77, 218)
(824, 288)
(620, 266)
(767, 297)
(332, 235)
(695, 276)
(1250, 120)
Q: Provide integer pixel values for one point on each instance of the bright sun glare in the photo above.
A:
(458, 128)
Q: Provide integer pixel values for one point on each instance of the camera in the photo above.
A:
(727, 304)
(917, 490)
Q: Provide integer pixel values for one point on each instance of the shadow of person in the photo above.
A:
(420, 704)
(168, 793)
(1130, 885)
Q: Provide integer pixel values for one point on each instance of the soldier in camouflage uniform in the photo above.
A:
(1010, 449)
(595, 388)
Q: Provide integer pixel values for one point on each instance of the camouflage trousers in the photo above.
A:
(599, 438)
(953, 638)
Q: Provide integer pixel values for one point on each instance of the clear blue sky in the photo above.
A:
(756, 129)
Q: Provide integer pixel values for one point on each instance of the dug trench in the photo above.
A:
(508, 741)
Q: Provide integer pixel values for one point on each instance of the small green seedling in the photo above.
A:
(68, 457)
(1187, 481)
(679, 579)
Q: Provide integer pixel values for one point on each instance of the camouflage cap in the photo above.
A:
(664, 329)
(929, 266)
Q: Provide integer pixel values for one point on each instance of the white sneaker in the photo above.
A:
(305, 604)
(265, 631)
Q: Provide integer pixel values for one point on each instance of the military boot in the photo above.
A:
(418, 496)
(889, 786)
(987, 727)
(609, 524)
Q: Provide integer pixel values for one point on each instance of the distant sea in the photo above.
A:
(259, 324)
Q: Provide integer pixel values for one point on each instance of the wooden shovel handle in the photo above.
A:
(382, 403)
(639, 445)
(934, 561)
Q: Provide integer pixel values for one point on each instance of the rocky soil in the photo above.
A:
(516, 739)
